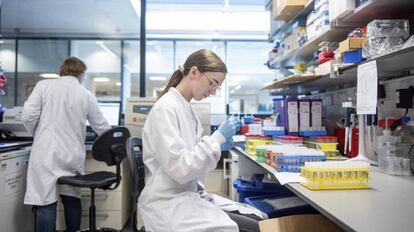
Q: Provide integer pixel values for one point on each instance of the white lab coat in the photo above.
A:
(56, 114)
(175, 156)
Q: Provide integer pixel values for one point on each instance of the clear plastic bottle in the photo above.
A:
(386, 146)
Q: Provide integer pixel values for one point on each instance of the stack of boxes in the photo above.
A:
(298, 115)
(318, 21)
(351, 50)
(338, 9)
(287, 9)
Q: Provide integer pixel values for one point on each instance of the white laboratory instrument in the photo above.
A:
(362, 154)
(13, 168)
(137, 109)
(12, 121)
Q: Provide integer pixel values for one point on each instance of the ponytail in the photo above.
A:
(175, 79)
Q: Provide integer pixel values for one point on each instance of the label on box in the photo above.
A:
(304, 114)
(316, 109)
(293, 118)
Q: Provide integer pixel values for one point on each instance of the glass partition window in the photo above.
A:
(247, 76)
(159, 66)
(131, 68)
(8, 64)
(103, 61)
(37, 60)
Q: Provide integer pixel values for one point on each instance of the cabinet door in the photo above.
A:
(12, 189)
(215, 183)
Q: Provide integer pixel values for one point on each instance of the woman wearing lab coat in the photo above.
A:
(56, 114)
(176, 155)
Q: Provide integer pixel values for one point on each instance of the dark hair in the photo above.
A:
(205, 60)
(72, 66)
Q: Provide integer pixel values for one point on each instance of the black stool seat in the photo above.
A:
(110, 148)
(92, 180)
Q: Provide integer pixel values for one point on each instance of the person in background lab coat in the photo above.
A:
(176, 156)
(56, 114)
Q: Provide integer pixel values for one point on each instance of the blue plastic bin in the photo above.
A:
(255, 187)
(280, 205)
(353, 57)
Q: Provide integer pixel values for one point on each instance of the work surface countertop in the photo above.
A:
(12, 149)
(388, 206)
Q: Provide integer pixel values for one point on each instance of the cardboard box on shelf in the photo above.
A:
(326, 68)
(338, 9)
(287, 9)
(298, 223)
(351, 44)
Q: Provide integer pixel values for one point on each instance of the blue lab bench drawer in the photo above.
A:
(280, 205)
(255, 187)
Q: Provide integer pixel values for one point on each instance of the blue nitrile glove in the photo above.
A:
(227, 145)
(228, 128)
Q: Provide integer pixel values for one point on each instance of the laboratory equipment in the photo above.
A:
(327, 144)
(252, 141)
(286, 139)
(371, 137)
(386, 146)
(110, 111)
(336, 175)
(288, 158)
(136, 111)
(12, 122)
(349, 112)
(362, 155)
(13, 169)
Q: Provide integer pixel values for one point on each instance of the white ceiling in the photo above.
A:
(70, 17)
(117, 18)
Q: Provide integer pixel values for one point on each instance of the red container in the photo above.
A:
(386, 124)
(325, 56)
(244, 129)
(340, 133)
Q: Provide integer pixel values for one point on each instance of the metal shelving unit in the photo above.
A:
(393, 65)
(376, 9)
(305, 52)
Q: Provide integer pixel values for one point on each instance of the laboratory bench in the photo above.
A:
(387, 206)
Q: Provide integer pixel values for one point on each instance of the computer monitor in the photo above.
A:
(110, 112)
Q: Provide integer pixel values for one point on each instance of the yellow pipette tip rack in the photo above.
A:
(336, 175)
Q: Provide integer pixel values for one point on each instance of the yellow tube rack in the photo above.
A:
(335, 178)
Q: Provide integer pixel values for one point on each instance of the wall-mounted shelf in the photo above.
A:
(305, 52)
(377, 9)
(291, 80)
(392, 65)
(284, 29)
(340, 28)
